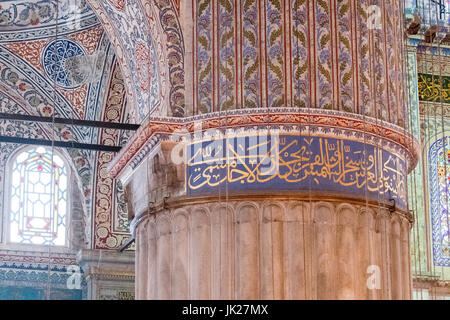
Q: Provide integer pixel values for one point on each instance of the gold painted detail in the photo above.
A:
(434, 88)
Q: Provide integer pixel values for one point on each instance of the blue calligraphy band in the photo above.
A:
(292, 162)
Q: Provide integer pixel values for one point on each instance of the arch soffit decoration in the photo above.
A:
(159, 38)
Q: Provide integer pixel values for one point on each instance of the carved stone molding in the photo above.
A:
(109, 274)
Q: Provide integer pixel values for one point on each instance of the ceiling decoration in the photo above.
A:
(66, 73)
(20, 14)
(39, 19)
(147, 28)
(56, 59)
(135, 41)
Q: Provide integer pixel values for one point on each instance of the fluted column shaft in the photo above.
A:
(280, 249)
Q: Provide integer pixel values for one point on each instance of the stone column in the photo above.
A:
(301, 250)
(294, 156)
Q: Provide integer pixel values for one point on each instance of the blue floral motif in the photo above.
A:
(54, 57)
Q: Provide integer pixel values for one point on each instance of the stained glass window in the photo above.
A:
(439, 158)
(430, 11)
(38, 207)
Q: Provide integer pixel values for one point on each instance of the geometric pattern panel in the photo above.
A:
(439, 159)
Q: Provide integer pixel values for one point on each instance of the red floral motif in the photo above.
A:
(29, 50)
(143, 66)
(66, 135)
(46, 111)
(88, 38)
(81, 162)
(22, 86)
(118, 4)
(77, 98)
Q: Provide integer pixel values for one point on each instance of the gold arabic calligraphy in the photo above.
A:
(433, 88)
(293, 159)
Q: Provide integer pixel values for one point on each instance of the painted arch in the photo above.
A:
(148, 41)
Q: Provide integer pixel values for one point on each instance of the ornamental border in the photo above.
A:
(147, 136)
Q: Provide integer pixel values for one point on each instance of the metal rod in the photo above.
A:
(127, 244)
(76, 122)
(60, 144)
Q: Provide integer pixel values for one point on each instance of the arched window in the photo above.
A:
(439, 166)
(38, 197)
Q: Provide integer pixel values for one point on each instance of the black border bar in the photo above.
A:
(60, 144)
(75, 122)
